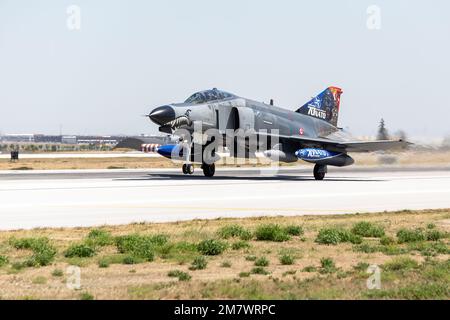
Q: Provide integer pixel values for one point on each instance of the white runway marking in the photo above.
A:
(166, 196)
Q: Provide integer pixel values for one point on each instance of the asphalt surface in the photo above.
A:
(98, 197)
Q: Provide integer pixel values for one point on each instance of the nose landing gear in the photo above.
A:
(320, 171)
(188, 168)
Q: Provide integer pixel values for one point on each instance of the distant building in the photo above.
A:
(69, 140)
(21, 137)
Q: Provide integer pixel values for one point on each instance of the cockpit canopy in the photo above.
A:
(208, 96)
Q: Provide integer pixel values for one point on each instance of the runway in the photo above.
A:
(99, 197)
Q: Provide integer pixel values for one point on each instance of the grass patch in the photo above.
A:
(86, 296)
(327, 266)
(43, 252)
(239, 245)
(287, 259)
(368, 230)
(334, 236)
(80, 250)
(199, 263)
(235, 231)
(262, 262)
(309, 269)
(259, 270)
(57, 273)
(435, 235)
(99, 238)
(400, 263)
(141, 247)
(226, 264)
(212, 247)
(182, 276)
(271, 232)
(3, 260)
(294, 230)
(244, 274)
(386, 241)
(406, 236)
(361, 267)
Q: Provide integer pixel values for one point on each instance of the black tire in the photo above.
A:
(190, 169)
(184, 169)
(319, 172)
(209, 170)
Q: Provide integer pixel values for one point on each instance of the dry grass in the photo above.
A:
(150, 281)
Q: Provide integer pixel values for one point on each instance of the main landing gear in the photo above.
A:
(320, 171)
(208, 169)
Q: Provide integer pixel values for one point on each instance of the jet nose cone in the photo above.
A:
(162, 115)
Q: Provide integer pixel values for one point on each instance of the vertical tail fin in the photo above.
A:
(325, 106)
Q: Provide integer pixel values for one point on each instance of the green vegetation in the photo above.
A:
(287, 259)
(103, 263)
(235, 231)
(361, 266)
(262, 262)
(81, 250)
(3, 260)
(327, 265)
(244, 274)
(271, 232)
(99, 238)
(141, 247)
(43, 252)
(400, 263)
(182, 276)
(226, 264)
(251, 258)
(212, 247)
(199, 263)
(368, 230)
(239, 245)
(57, 273)
(309, 269)
(294, 230)
(435, 235)
(259, 270)
(334, 236)
(86, 296)
(405, 235)
(386, 241)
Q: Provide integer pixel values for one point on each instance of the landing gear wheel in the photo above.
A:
(320, 171)
(209, 170)
(188, 169)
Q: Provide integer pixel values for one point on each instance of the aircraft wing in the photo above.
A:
(342, 146)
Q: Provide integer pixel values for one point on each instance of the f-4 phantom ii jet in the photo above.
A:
(311, 133)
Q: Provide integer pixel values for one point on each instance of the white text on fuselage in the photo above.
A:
(314, 112)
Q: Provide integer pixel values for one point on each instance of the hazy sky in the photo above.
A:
(132, 56)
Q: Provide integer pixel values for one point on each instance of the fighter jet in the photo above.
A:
(310, 133)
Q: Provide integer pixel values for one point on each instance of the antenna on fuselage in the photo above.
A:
(271, 102)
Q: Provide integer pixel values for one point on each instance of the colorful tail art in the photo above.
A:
(325, 106)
